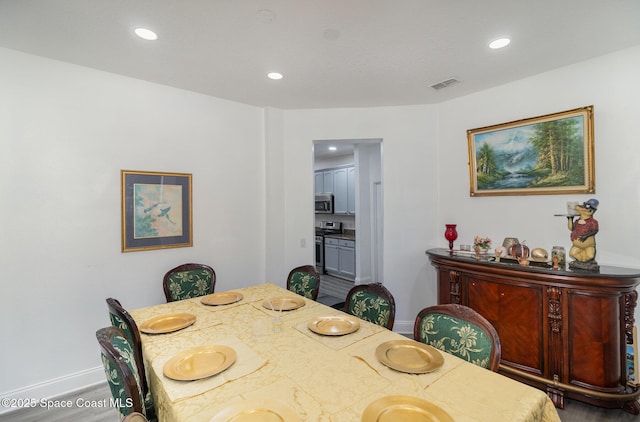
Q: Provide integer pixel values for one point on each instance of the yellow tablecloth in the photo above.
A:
(321, 378)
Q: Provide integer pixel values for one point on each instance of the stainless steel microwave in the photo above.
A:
(324, 203)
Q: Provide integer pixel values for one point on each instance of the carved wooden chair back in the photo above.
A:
(461, 331)
(121, 370)
(187, 281)
(121, 318)
(373, 303)
(305, 281)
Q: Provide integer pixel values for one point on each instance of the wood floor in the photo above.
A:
(574, 411)
(334, 287)
(98, 393)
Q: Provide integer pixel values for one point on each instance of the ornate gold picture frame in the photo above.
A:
(544, 155)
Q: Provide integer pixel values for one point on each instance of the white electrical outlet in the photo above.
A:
(303, 243)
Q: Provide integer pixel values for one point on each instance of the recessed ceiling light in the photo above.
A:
(274, 75)
(499, 43)
(146, 34)
(332, 148)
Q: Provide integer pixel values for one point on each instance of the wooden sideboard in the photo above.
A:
(563, 331)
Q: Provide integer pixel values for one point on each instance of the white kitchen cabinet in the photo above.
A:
(340, 191)
(324, 181)
(340, 257)
(344, 191)
(319, 183)
(329, 181)
(347, 251)
(331, 255)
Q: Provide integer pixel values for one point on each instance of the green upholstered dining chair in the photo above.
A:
(121, 371)
(304, 281)
(188, 280)
(121, 318)
(460, 331)
(373, 303)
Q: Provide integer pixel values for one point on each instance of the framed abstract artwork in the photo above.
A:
(550, 154)
(156, 210)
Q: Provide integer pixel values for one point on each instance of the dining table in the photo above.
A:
(264, 353)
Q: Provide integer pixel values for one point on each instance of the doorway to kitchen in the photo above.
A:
(350, 172)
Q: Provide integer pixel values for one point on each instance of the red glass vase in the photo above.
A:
(450, 234)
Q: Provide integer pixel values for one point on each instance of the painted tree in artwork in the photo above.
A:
(485, 160)
(560, 152)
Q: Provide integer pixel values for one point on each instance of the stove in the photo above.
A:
(329, 227)
(326, 227)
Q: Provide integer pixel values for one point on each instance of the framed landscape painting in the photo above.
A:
(550, 154)
(156, 210)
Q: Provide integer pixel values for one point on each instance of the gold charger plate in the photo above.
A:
(167, 323)
(405, 409)
(283, 303)
(334, 325)
(222, 298)
(199, 362)
(409, 356)
(257, 410)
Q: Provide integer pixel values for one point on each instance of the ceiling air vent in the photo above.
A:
(445, 83)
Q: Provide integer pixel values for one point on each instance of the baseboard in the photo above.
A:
(404, 327)
(364, 280)
(56, 387)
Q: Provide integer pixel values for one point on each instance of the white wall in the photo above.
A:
(65, 134)
(610, 84)
(66, 131)
(426, 177)
(409, 145)
(274, 200)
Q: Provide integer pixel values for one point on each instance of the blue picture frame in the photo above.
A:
(156, 210)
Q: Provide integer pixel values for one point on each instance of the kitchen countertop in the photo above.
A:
(344, 236)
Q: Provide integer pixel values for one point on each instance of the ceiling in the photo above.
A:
(333, 149)
(333, 53)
